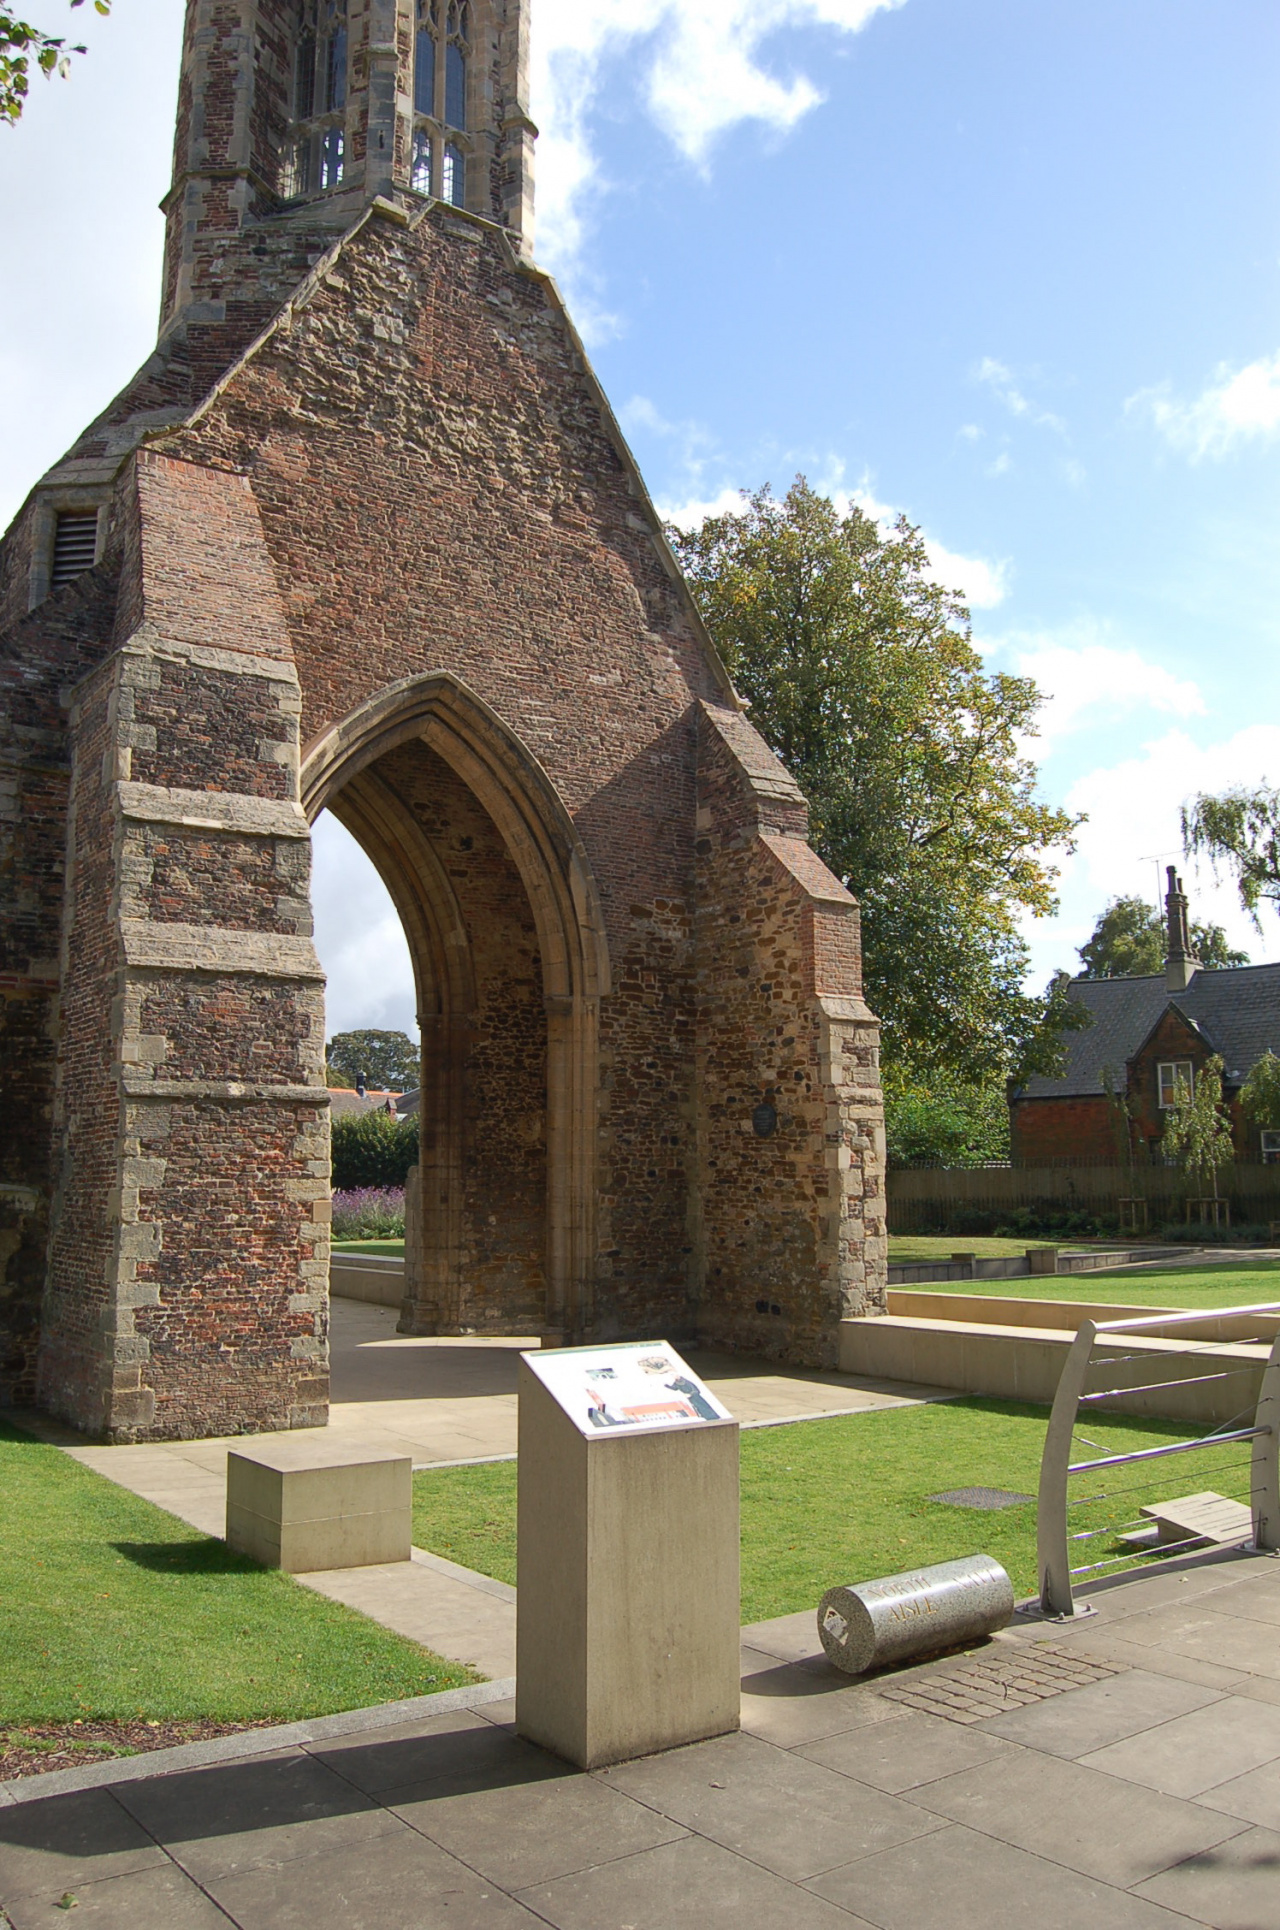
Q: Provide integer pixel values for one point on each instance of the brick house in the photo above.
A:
(363, 535)
(1146, 1035)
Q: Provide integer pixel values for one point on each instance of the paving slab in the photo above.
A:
(1234, 1887)
(1084, 1719)
(1196, 1752)
(1078, 1817)
(901, 1756)
(161, 1898)
(957, 1879)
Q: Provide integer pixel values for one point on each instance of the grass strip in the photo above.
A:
(1217, 1284)
(847, 1499)
(115, 1610)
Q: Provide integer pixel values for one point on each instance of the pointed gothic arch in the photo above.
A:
(340, 772)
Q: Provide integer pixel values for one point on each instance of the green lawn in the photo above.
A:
(907, 1248)
(1225, 1284)
(114, 1609)
(847, 1499)
(393, 1248)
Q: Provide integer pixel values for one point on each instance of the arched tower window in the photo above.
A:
(442, 51)
(315, 154)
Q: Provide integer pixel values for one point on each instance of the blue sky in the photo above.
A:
(1011, 266)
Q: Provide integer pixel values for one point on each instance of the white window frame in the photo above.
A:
(1270, 1148)
(1169, 1074)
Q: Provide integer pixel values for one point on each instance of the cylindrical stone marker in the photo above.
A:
(868, 1624)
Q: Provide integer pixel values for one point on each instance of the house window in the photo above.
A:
(1271, 1149)
(75, 545)
(1175, 1078)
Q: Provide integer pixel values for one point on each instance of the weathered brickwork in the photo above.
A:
(391, 558)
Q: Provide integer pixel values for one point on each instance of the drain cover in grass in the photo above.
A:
(981, 1498)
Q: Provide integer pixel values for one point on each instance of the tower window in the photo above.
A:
(424, 72)
(336, 77)
(420, 173)
(304, 88)
(331, 158)
(455, 86)
(75, 545)
(455, 179)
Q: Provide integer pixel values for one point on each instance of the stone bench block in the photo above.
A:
(300, 1507)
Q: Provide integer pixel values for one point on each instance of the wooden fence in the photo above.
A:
(925, 1199)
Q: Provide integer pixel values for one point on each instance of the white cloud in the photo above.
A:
(979, 581)
(1133, 831)
(359, 937)
(1088, 680)
(692, 511)
(1236, 405)
(1000, 380)
(703, 73)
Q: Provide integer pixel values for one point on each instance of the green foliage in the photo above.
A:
(1260, 1093)
(1197, 1130)
(115, 1609)
(944, 1122)
(390, 1061)
(21, 45)
(1128, 941)
(373, 1149)
(850, 1496)
(1240, 829)
(861, 675)
(1221, 1284)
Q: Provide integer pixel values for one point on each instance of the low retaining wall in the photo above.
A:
(921, 1198)
(1061, 1316)
(373, 1277)
(1008, 1360)
(1035, 1260)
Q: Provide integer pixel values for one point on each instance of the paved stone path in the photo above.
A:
(1144, 1798)
(443, 1401)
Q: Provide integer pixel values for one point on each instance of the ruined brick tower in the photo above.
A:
(362, 535)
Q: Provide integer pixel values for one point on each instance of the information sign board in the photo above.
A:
(630, 1384)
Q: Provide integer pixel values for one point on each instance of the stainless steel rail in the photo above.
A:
(1057, 1468)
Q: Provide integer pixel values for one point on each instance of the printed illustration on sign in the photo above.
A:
(634, 1384)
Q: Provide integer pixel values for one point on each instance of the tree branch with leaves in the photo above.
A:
(1239, 830)
(24, 47)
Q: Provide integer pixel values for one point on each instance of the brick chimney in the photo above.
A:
(1180, 963)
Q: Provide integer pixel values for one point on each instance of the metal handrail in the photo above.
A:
(1056, 1466)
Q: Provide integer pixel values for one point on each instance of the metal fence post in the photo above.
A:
(1052, 1557)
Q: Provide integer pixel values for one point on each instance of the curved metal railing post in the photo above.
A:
(1264, 1477)
(1053, 1560)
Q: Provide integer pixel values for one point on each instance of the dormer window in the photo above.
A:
(315, 155)
(1175, 1079)
(442, 52)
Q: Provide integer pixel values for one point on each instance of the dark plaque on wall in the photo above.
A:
(764, 1120)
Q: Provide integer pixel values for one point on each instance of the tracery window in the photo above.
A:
(314, 158)
(442, 53)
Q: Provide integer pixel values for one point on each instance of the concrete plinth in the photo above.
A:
(291, 1505)
(627, 1597)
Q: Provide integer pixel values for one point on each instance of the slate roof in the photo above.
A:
(1237, 1012)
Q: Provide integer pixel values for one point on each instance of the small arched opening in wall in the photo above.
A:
(502, 918)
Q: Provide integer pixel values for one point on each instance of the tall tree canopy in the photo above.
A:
(860, 673)
(390, 1061)
(21, 46)
(1239, 829)
(1128, 941)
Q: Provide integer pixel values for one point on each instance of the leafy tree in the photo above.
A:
(861, 674)
(1260, 1093)
(372, 1149)
(390, 1061)
(1239, 829)
(1197, 1132)
(21, 44)
(1128, 941)
(940, 1122)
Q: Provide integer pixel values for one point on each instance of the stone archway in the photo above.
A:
(372, 770)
